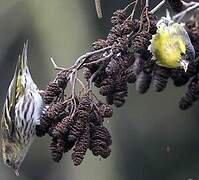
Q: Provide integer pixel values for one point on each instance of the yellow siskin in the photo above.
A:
(171, 46)
(21, 114)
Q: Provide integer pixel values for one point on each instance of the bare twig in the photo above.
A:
(92, 77)
(186, 4)
(98, 8)
(95, 97)
(147, 3)
(72, 74)
(74, 104)
(81, 59)
(147, 17)
(190, 7)
(99, 60)
(129, 5)
(81, 83)
(55, 65)
(141, 19)
(158, 7)
(134, 8)
(79, 62)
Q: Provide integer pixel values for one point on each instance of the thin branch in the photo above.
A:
(186, 4)
(158, 7)
(74, 104)
(129, 6)
(147, 3)
(98, 8)
(133, 12)
(181, 15)
(95, 97)
(91, 79)
(55, 65)
(78, 63)
(82, 58)
(148, 20)
(81, 83)
(99, 60)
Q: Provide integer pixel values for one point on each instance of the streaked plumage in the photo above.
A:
(171, 46)
(21, 114)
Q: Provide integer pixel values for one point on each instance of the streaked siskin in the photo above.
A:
(21, 114)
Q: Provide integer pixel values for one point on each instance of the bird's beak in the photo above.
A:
(16, 169)
(184, 64)
(17, 172)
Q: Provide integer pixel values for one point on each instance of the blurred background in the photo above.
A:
(152, 138)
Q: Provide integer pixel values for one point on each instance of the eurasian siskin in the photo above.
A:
(21, 114)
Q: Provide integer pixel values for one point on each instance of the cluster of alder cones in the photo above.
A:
(76, 122)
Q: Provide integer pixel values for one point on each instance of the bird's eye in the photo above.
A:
(8, 149)
(8, 162)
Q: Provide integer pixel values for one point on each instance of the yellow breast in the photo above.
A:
(167, 48)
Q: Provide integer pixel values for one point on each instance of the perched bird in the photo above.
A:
(21, 114)
(171, 46)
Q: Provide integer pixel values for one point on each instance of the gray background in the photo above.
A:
(152, 138)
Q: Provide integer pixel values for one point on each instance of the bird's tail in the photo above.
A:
(22, 60)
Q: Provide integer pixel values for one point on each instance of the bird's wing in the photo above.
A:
(15, 91)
